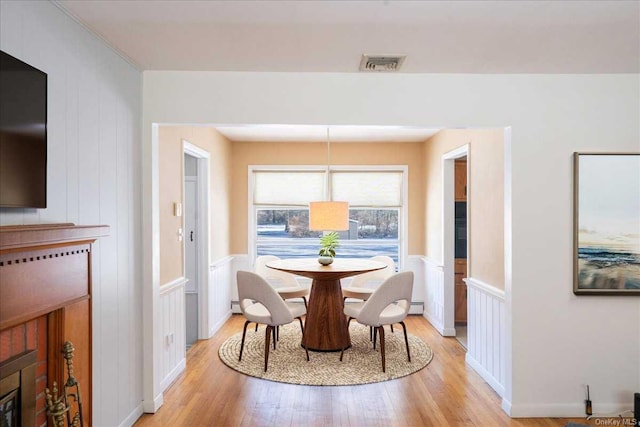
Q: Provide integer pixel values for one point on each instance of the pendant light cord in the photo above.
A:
(329, 164)
(328, 151)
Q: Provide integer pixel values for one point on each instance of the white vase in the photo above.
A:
(325, 260)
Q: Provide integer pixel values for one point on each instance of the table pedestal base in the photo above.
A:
(325, 327)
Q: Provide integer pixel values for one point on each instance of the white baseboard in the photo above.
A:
(180, 367)
(219, 324)
(445, 332)
(448, 332)
(506, 406)
(566, 410)
(151, 407)
(494, 383)
(132, 417)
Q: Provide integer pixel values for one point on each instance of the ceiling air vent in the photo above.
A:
(385, 63)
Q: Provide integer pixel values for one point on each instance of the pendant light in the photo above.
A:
(328, 215)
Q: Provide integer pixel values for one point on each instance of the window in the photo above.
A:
(279, 213)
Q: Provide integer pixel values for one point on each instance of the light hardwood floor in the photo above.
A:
(445, 393)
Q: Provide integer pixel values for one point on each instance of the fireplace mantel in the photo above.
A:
(45, 270)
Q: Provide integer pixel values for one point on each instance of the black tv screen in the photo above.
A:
(23, 134)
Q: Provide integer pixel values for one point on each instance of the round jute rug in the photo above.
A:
(361, 363)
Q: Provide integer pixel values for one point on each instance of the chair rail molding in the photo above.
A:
(486, 331)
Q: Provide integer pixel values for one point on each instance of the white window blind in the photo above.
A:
(367, 189)
(288, 188)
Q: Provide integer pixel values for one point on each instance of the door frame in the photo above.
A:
(448, 233)
(202, 231)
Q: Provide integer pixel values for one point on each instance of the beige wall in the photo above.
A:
(171, 184)
(263, 153)
(486, 199)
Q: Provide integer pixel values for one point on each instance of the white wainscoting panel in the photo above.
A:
(434, 293)
(240, 262)
(486, 350)
(219, 293)
(415, 263)
(172, 320)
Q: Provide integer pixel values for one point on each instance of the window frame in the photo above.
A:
(403, 214)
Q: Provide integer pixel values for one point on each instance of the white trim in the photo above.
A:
(457, 153)
(194, 150)
(173, 285)
(221, 261)
(203, 216)
(564, 410)
(494, 383)
(448, 230)
(151, 333)
(175, 373)
(152, 406)
(437, 325)
(98, 36)
(216, 326)
(506, 406)
(132, 417)
(508, 269)
(432, 262)
(485, 287)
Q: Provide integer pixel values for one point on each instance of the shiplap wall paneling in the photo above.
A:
(486, 350)
(172, 314)
(415, 263)
(220, 283)
(434, 288)
(93, 144)
(240, 262)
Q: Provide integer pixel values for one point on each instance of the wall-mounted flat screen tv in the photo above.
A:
(23, 134)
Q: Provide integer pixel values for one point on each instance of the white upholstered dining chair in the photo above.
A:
(284, 283)
(260, 303)
(388, 304)
(363, 285)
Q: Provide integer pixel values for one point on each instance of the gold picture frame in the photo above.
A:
(606, 214)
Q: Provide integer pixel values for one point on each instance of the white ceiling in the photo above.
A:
(330, 36)
(507, 36)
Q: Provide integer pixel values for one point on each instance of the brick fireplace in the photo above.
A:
(20, 340)
(45, 300)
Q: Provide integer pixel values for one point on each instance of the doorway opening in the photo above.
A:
(460, 249)
(191, 242)
(196, 241)
(455, 166)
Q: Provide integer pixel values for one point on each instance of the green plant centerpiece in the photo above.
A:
(328, 244)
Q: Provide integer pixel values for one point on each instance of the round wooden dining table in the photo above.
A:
(326, 325)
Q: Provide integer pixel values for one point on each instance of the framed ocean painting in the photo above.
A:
(606, 223)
